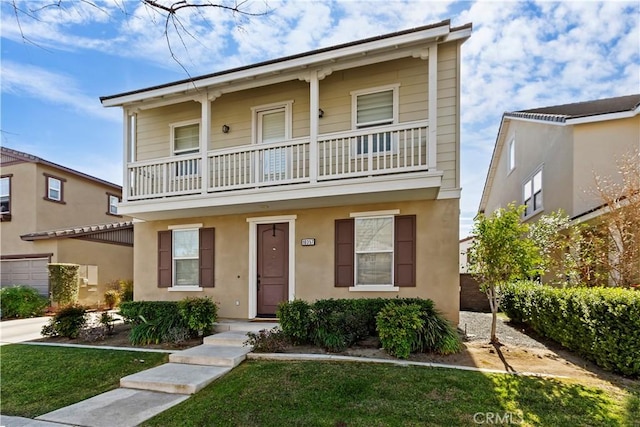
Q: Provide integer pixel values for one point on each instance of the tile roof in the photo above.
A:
(561, 113)
(99, 231)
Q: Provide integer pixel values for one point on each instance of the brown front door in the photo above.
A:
(273, 267)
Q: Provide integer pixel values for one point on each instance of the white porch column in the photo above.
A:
(128, 151)
(314, 106)
(205, 136)
(433, 107)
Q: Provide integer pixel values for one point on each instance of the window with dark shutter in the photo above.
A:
(207, 261)
(405, 251)
(344, 252)
(165, 259)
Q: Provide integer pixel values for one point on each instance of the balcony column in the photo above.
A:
(314, 106)
(433, 107)
(129, 151)
(205, 136)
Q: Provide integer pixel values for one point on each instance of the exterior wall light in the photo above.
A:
(225, 128)
(320, 112)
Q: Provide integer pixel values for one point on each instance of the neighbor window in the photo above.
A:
(113, 201)
(532, 194)
(374, 108)
(374, 250)
(185, 257)
(512, 154)
(5, 197)
(54, 190)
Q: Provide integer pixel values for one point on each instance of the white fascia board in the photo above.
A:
(604, 117)
(282, 66)
(497, 149)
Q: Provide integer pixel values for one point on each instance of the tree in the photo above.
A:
(501, 253)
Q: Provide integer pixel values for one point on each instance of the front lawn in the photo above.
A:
(267, 393)
(38, 379)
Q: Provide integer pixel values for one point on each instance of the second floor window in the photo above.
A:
(512, 155)
(532, 194)
(5, 195)
(54, 190)
(113, 204)
(374, 108)
(186, 138)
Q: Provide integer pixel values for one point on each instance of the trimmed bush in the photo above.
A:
(398, 328)
(68, 322)
(63, 279)
(295, 320)
(601, 324)
(21, 302)
(111, 298)
(199, 313)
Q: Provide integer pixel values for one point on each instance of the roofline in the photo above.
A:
(564, 120)
(30, 158)
(84, 230)
(488, 182)
(329, 54)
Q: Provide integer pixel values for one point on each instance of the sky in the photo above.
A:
(57, 61)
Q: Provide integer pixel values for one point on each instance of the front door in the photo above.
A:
(273, 267)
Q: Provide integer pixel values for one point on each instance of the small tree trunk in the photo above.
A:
(493, 303)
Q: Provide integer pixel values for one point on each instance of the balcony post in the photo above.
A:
(128, 153)
(432, 143)
(314, 107)
(205, 132)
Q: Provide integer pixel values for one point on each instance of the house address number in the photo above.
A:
(308, 242)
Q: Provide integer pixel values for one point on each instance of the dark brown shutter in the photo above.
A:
(344, 248)
(165, 259)
(207, 261)
(405, 251)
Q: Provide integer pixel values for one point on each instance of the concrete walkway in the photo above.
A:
(145, 394)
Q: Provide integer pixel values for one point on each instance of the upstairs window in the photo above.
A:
(532, 194)
(186, 137)
(54, 190)
(113, 201)
(374, 107)
(5, 198)
(512, 154)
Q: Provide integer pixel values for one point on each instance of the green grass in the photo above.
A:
(37, 379)
(264, 393)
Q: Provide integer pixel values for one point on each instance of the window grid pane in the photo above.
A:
(54, 188)
(374, 268)
(374, 251)
(185, 243)
(375, 107)
(186, 272)
(186, 138)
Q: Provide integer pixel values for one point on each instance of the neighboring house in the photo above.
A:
(329, 174)
(44, 209)
(547, 158)
(465, 244)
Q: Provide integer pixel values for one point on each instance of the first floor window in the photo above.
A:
(532, 194)
(185, 257)
(5, 195)
(374, 251)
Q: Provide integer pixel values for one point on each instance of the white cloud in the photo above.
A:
(52, 88)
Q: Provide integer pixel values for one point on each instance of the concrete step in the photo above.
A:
(229, 338)
(121, 407)
(175, 378)
(211, 355)
(246, 326)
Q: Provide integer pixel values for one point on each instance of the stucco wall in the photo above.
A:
(436, 269)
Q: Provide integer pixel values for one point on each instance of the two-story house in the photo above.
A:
(329, 174)
(547, 158)
(54, 214)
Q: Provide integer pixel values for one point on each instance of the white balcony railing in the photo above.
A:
(365, 152)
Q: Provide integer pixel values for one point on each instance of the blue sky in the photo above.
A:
(521, 55)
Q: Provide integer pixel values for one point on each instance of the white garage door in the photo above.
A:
(31, 272)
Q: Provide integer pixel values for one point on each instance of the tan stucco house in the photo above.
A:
(547, 158)
(54, 214)
(329, 174)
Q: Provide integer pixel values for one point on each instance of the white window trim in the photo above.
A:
(173, 127)
(371, 287)
(527, 180)
(185, 289)
(51, 179)
(374, 288)
(288, 118)
(115, 205)
(354, 103)
(253, 258)
(174, 258)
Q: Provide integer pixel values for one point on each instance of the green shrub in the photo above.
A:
(68, 322)
(126, 290)
(295, 320)
(63, 279)
(21, 302)
(199, 313)
(111, 298)
(267, 341)
(338, 323)
(398, 328)
(601, 324)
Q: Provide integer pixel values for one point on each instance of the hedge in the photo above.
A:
(20, 302)
(601, 324)
(64, 283)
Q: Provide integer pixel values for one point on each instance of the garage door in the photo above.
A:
(32, 272)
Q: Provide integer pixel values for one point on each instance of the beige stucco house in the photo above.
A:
(547, 158)
(329, 174)
(54, 214)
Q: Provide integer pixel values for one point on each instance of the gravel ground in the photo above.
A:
(478, 328)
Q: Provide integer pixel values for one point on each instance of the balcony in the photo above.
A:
(345, 163)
